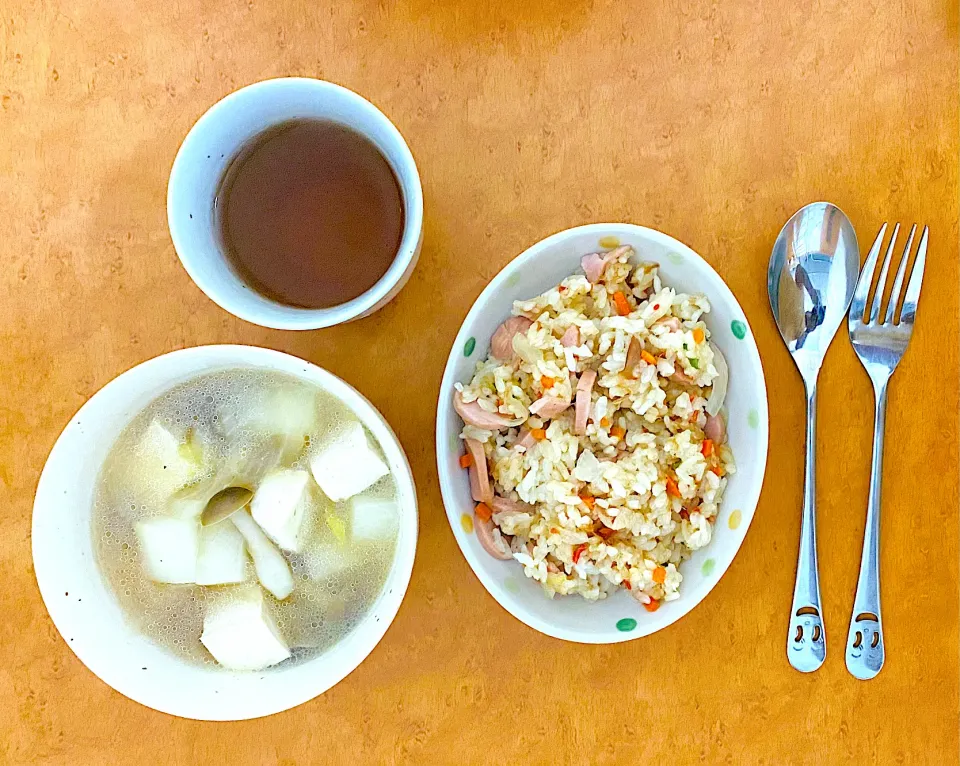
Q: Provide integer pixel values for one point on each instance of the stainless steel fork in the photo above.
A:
(880, 346)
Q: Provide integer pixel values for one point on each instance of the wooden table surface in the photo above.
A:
(711, 121)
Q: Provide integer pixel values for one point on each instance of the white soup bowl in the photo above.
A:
(83, 605)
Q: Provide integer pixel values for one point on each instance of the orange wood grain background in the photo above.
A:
(710, 120)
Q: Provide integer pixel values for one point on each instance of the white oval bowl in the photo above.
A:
(535, 270)
(82, 604)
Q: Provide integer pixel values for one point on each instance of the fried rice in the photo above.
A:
(597, 483)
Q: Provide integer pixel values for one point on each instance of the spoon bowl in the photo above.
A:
(812, 275)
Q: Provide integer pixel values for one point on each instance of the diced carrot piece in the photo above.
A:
(707, 448)
(588, 500)
(623, 308)
(672, 489)
(578, 552)
(466, 460)
(617, 432)
(718, 470)
(627, 585)
(483, 511)
(659, 575)
(547, 382)
(698, 335)
(648, 357)
(538, 433)
(653, 606)
(605, 422)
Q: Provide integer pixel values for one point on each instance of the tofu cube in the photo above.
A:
(348, 465)
(187, 507)
(289, 412)
(161, 464)
(168, 549)
(373, 519)
(221, 559)
(279, 506)
(289, 409)
(178, 465)
(241, 634)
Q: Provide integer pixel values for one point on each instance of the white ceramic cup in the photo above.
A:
(217, 138)
(82, 604)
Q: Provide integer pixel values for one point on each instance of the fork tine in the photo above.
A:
(916, 277)
(882, 279)
(866, 277)
(898, 282)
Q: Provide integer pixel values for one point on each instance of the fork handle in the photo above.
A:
(865, 651)
(807, 641)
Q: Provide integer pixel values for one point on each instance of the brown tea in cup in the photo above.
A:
(310, 214)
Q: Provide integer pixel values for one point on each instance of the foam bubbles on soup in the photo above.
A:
(235, 427)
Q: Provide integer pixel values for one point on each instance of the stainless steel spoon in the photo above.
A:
(812, 276)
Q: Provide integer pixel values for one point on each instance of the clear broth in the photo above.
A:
(230, 414)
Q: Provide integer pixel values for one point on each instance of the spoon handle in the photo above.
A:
(806, 643)
(865, 653)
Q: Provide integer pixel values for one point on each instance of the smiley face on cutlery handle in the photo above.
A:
(809, 631)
